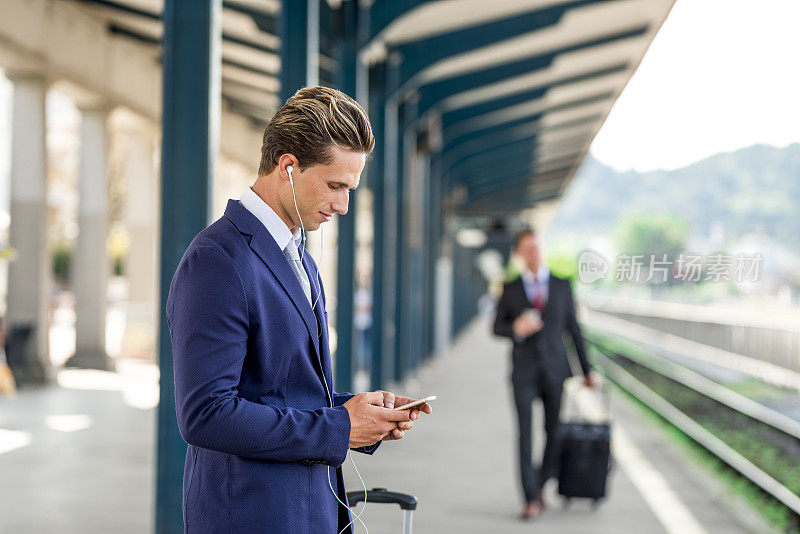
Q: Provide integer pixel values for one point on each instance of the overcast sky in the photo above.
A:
(720, 75)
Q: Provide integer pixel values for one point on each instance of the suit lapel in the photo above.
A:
(548, 300)
(324, 363)
(262, 243)
(526, 303)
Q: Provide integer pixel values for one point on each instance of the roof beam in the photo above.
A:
(382, 13)
(496, 156)
(519, 185)
(124, 8)
(417, 55)
(266, 22)
(434, 92)
(449, 110)
(450, 140)
(505, 206)
(488, 142)
(460, 115)
(121, 30)
(151, 15)
(482, 171)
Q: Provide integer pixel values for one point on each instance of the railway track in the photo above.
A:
(761, 445)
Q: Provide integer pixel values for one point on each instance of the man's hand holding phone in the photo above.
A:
(399, 404)
(372, 420)
(373, 417)
(528, 323)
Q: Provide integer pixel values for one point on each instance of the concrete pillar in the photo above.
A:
(141, 221)
(29, 272)
(90, 264)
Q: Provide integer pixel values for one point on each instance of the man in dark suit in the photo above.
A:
(534, 311)
(247, 314)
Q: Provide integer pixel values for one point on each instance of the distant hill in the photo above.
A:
(754, 189)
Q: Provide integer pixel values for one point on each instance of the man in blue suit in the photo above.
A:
(247, 314)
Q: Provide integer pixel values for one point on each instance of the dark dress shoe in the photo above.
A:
(531, 510)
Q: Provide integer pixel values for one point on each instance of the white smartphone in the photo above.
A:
(416, 403)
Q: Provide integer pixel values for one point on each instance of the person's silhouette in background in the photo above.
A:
(534, 311)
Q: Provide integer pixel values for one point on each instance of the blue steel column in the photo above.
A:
(435, 240)
(419, 278)
(428, 261)
(413, 213)
(345, 271)
(377, 104)
(293, 29)
(460, 285)
(390, 234)
(190, 120)
(399, 201)
(422, 268)
(427, 273)
(408, 288)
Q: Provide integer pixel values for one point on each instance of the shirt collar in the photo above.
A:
(542, 275)
(274, 224)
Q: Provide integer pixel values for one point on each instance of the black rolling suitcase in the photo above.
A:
(585, 443)
(585, 460)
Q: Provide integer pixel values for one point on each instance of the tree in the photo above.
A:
(645, 233)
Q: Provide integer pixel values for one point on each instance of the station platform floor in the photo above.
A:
(78, 456)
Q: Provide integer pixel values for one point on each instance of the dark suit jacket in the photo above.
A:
(543, 352)
(249, 357)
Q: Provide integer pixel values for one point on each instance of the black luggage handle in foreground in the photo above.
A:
(382, 495)
(408, 503)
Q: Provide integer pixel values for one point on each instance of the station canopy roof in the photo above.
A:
(518, 88)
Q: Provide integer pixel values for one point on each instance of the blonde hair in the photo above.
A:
(312, 121)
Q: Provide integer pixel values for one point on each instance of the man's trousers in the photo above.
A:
(526, 390)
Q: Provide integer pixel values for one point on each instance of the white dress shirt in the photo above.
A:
(274, 224)
(538, 285)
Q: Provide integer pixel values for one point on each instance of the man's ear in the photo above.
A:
(284, 162)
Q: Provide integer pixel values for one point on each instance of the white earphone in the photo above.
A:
(289, 169)
(304, 235)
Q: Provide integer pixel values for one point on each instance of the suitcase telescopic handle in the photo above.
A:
(382, 495)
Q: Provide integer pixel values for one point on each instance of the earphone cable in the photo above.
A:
(303, 236)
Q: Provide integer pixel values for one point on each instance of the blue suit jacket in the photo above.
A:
(249, 357)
